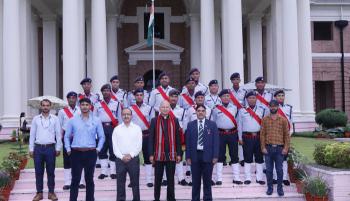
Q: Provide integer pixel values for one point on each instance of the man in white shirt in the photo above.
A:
(44, 146)
(127, 144)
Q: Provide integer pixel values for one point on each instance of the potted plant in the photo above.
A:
(299, 176)
(347, 131)
(5, 185)
(316, 189)
(11, 167)
(20, 157)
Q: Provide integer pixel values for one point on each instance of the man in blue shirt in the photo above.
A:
(80, 143)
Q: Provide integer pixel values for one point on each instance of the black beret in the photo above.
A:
(115, 77)
(140, 90)
(212, 82)
(106, 86)
(234, 75)
(162, 75)
(273, 102)
(138, 79)
(174, 92)
(224, 91)
(199, 93)
(193, 70)
(85, 100)
(189, 80)
(71, 93)
(258, 79)
(250, 93)
(85, 80)
(280, 91)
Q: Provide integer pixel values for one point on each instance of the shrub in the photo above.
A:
(331, 118)
(316, 186)
(336, 155)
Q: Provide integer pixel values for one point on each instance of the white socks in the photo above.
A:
(259, 171)
(236, 172)
(179, 171)
(248, 171)
(104, 166)
(112, 169)
(149, 170)
(67, 177)
(219, 167)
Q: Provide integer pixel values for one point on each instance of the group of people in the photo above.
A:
(194, 126)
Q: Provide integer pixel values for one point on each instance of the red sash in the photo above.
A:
(109, 113)
(280, 112)
(262, 100)
(114, 97)
(188, 99)
(228, 114)
(235, 101)
(161, 91)
(140, 115)
(81, 96)
(68, 112)
(254, 115)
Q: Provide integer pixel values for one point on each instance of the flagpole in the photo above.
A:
(153, 53)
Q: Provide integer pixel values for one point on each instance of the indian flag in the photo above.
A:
(150, 26)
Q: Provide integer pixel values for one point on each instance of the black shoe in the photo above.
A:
(190, 183)
(183, 183)
(264, 171)
(129, 185)
(280, 193)
(218, 183)
(188, 173)
(242, 163)
(113, 176)
(81, 186)
(212, 183)
(247, 182)
(269, 191)
(66, 187)
(164, 183)
(260, 182)
(98, 165)
(237, 182)
(230, 163)
(224, 163)
(286, 182)
(274, 181)
(102, 176)
(150, 185)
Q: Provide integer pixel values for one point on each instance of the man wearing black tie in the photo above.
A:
(202, 152)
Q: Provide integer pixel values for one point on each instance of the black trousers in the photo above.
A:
(232, 141)
(251, 147)
(66, 157)
(145, 151)
(201, 170)
(83, 160)
(108, 145)
(133, 169)
(158, 176)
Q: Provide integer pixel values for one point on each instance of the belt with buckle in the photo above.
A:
(83, 149)
(45, 145)
(274, 145)
(106, 123)
(228, 131)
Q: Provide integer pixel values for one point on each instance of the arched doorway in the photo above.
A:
(148, 77)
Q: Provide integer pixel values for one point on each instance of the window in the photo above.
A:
(323, 31)
(324, 95)
(158, 26)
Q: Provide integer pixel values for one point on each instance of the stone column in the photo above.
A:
(195, 41)
(255, 60)
(291, 53)
(51, 56)
(305, 58)
(269, 51)
(232, 40)
(98, 43)
(112, 46)
(73, 27)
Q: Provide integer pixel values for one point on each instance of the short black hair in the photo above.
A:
(45, 100)
(200, 106)
(85, 100)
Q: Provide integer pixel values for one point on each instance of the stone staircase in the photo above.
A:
(105, 190)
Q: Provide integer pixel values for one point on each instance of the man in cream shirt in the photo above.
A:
(127, 144)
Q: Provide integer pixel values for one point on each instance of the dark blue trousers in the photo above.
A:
(45, 156)
(274, 158)
(83, 160)
(201, 170)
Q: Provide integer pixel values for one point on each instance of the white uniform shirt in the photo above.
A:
(45, 131)
(240, 95)
(156, 98)
(127, 140)
(183, 102)
(115, 108)
(63, 118)
(223, 121)
(94, 97)
(212, 100)
(147, 111)
(131, 98)
(247, 123)
(180, 114)
(121, 96)
(267, 96)
(199, 87)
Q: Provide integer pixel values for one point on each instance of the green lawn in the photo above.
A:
(302, 144)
